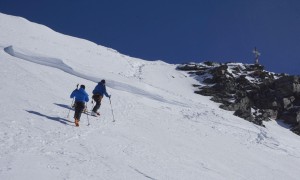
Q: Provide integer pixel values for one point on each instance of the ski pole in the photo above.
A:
(70, 108)
(72, 102)
(92, 106)
(112, 111)
(87, 115)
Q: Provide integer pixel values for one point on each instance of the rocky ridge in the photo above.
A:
(253, 93)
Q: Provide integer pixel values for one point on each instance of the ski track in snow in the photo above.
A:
(145, 175)
(254, 134)
(59, 64)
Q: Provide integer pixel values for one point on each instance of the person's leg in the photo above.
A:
(97, 106)
(78, 111)
(97, 99)
(76, 115)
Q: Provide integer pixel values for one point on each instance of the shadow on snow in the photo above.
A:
(58, 119)
(64, 106)
(283, 124)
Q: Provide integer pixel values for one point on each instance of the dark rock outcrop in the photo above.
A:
(251, 92)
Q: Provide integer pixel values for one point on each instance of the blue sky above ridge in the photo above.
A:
(178, 31)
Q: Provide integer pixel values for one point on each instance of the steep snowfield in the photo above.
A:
(162, 130)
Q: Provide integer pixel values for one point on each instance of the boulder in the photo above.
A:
(287, 86)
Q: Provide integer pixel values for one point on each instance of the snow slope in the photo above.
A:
(162, 130)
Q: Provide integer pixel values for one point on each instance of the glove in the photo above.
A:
(109, 96)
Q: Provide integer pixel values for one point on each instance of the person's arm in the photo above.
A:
(105, 93)
(87, 98)
(73, 94)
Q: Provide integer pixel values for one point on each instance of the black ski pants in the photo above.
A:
(97, 98)
(79, 107)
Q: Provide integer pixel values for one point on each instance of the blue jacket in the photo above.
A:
(100, 89)
(80, 95)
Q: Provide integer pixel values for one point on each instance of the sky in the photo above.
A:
(178, 31)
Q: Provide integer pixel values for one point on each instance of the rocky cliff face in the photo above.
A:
(251, 92)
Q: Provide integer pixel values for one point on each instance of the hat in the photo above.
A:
(102, 81)
(82, 86)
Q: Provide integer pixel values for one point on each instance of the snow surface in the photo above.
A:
(162, 130)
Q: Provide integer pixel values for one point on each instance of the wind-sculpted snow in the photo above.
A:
(47, 61)
(59, 64)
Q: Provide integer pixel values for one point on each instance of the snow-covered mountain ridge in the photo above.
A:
(252, 92)
(163, 130)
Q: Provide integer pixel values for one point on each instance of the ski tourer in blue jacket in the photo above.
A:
(80, 98)
(80, 95)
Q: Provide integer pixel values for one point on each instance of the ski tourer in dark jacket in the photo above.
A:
(81, 97)
(101, 89)
(98, 93)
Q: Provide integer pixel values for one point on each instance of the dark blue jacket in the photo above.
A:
(80, 95)
(100, 89)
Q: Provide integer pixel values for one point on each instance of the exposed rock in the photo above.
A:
(291, 116)
(254, 94)
(288, 102)
(288, 85)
